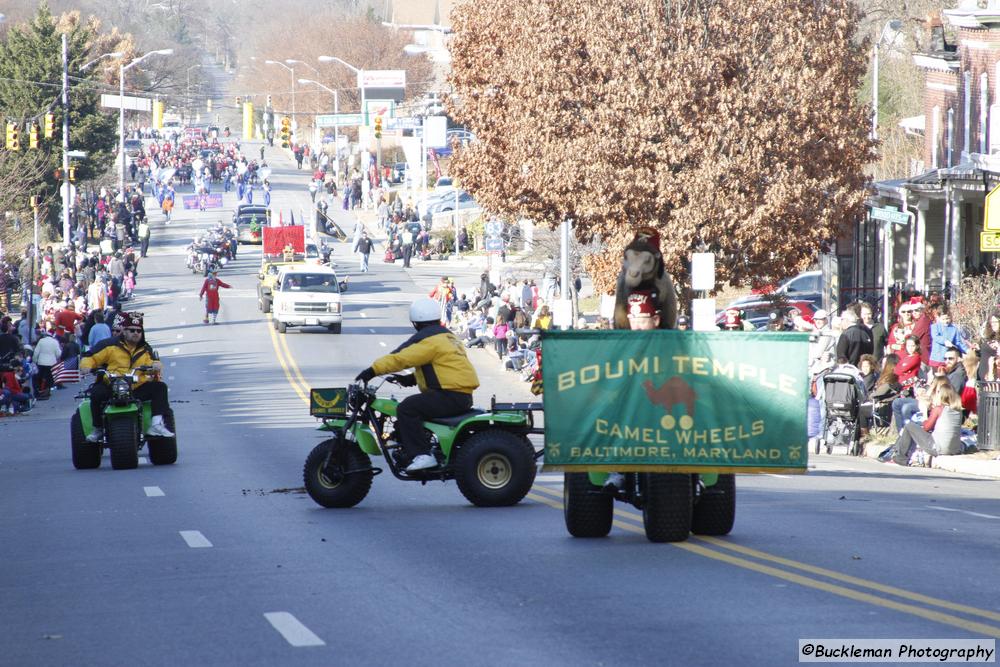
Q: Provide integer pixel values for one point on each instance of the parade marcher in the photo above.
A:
(143, 237)
(363, 247)
(210, 293)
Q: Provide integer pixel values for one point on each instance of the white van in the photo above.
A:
(307, 295)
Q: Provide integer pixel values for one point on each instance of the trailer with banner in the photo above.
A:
(669, 417)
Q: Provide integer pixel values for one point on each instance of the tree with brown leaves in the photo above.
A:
(728, 125)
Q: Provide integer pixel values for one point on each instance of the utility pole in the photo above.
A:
(67, 200)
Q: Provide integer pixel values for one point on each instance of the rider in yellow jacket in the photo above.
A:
(443, 373)
(120, 355)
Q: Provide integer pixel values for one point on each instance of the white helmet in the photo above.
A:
(425, 310)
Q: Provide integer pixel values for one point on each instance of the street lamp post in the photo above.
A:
(364, 112)
(893, 25)
(121, 110)
(336, 128)
(295, 123)
(187, 94)
(66, 199)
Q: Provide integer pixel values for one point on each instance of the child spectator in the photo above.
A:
(944, 336)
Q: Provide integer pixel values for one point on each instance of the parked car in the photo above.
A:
(398, 173)
(447, 203)
(759, 312)
(807, 282)
(458, 135)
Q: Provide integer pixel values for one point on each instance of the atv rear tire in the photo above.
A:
(495, 468)
(666, 511)
(587, 509)
(163, 451)
(715, 512)
(86, 455)
(123, 441)
(345, 491)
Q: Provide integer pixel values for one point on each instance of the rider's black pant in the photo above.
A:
(414, 410)
(153, 391)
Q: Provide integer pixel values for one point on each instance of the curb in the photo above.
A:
(977, 464)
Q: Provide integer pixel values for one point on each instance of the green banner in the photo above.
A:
(675, 401)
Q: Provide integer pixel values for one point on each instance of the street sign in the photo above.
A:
(403, 123)
(890, 215)
(493, 228)
(338, 119)
(992, 203)
(385, 78)
(494, 244)
(131, 103)
(989, 241)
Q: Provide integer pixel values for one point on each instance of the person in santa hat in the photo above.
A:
(210, 293)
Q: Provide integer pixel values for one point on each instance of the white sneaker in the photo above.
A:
(96, 435)
(615, 479)
(422, 462)
(158, 429)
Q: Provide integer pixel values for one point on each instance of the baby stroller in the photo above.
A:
(842, 397)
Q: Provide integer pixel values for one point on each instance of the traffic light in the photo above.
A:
(13, 138)
(33, 136)
(269, 101)
(239, 100)
(50, 125)
(72, 174)
(286, 132)
(378, 127)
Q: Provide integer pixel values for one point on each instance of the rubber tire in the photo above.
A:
(520, 456)
(715, 512)
(265, 305)
(587, 514)
(281, 327)
(86, 455)
(335, 328)
(667, 511)
(163, 451)
(123, 441)
(351, 490)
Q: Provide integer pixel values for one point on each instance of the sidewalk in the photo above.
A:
(981, 464)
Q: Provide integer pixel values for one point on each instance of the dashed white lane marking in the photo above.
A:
(176, 350)
(173, 363)
(952, 509)
(183, 309)
(171, 377)
(779, 476)
(381, 343)
(292, 629)
(372, 330)
(153, 491)
(363, 314)
(195, 539)
(179, 336)
(549, 477)
(143, 460)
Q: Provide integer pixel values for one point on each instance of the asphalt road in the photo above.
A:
(219, 560)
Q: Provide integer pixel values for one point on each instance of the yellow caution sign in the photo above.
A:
(992, 207)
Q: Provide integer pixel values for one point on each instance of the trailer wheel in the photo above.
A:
(715, 512)
(666, 511)
(587, 509)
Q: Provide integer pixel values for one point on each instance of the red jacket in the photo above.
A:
(922, 330)
(211, 288)
(907, 368)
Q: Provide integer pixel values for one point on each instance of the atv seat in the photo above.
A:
(457, 419)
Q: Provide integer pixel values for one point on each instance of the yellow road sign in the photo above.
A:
(992, 207)
(989, 241)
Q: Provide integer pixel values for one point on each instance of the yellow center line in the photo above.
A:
(304, 395)
(860, 596)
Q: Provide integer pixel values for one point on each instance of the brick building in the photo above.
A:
(961, 126)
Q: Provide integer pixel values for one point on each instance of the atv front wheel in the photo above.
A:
(163, 451)
(86, 455)
(666, 510)
(338, 486)
(123, 441)
(587, 509)
(715, 512)
(495, 468)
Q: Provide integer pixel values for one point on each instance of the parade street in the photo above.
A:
(222, 559)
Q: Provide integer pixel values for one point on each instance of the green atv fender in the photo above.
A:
(599, 478)
(446, 435)
(88, 423)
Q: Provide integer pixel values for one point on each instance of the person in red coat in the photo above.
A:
(210, 292)
(922, 328)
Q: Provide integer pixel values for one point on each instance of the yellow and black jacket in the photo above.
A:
(437, 357)
(114, 356)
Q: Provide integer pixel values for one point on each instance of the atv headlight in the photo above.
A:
(120, 388)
